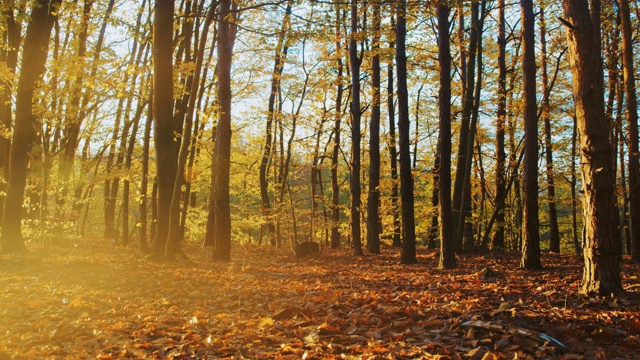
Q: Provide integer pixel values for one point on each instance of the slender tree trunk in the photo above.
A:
(373, 201)
(632, 123)
(335, 186)
(531, 236)
(406, 177)
(222, 162)
(447, 252)
(9, 55)
(144, 181)
(165, 124)
(574, 201)
(280, 59)
(393, 155)
(356, 114)
(601, 259)
(460, 189)
(34, 58)
(497, 242)
(554, 230)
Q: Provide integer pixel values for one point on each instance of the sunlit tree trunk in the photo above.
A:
(632, 121)
(165, 125)
(9, 56)
(280, 58)
(406, 177)
(601, 259)
(34, 58)
(447, 252)
(373, 201)
(222, 152)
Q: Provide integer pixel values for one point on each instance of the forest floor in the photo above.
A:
(104, 302)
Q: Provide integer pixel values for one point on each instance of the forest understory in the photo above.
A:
(98, 301)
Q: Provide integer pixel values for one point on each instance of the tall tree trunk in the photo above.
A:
(632, 123)
(574, 201)
(165, 124)
(144, 181)
(447, 252)
(497, 242)
(173, 241)
(393, 155)
(531, 236)
(373, 201)
(34, 58)
(335, 153)
(601, 259)
(356, 114)
(460, 189)
(8, 55)
(554, 230)
(222, 162)
(278, 66)
(406, 177)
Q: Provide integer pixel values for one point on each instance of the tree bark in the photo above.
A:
(222, 162)
(632, 123)
(165, 125)
(497, 242)
(554, 230)
(335, 186)
(373, 201)
(406, 177)
(396, 238)
(34, 58)
(601, 259)
(531, 236)
(447, 252)
(356, 114)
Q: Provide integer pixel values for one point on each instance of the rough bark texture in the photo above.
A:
(530, 227)
(601, 259)
(632, 123)
(356, 114)
(165, 126)
(447, 253)
(406, 177)
(34, 58)
(373, 201)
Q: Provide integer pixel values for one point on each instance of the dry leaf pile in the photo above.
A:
(99, 302)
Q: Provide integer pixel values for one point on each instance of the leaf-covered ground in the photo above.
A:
(103, 302)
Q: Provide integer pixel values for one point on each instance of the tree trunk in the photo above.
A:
(165, 125)
(34, 58)
(356, 114)
(144, 181)
(222, 162)
(373, 201)
(335, 186)
(406, 177)
(447, 252)
(497, 242)
(530, 227)
(554, 231)
(9, 55)
(601, 259)
(632, 123)
(279, 62)
(396, 239)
